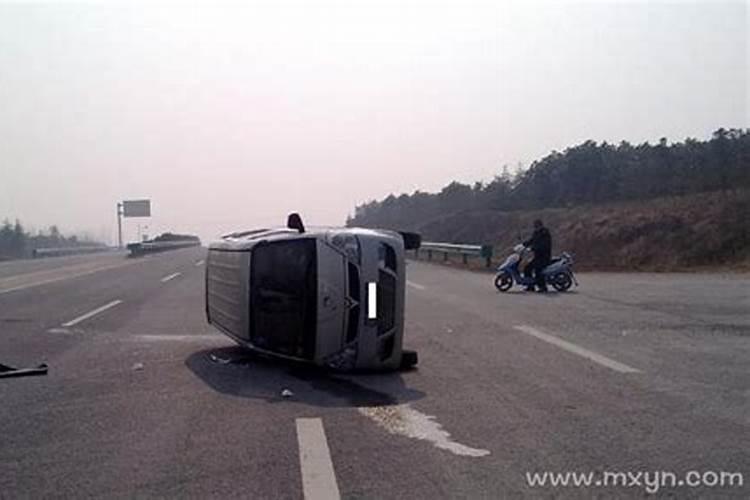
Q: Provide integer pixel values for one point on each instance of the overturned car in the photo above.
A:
(332, 297)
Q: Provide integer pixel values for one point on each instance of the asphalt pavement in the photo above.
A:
(630, 374)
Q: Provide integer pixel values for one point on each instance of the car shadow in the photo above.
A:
(238, 372)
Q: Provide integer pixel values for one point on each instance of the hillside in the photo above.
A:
(675, 233)
(657, 206)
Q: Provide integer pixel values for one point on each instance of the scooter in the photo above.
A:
(559, 272)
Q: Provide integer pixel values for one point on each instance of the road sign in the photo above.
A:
(131, 208)
(136, 208)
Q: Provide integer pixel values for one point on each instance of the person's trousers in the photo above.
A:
(534, 269)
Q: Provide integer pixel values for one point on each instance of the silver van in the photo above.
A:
(332, 297)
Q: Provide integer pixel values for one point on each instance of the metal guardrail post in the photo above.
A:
(487, 254)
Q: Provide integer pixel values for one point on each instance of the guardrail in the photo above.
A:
(447, 249)
(136, 249)
(56, 252)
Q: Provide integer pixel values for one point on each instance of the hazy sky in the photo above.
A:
(228, 117)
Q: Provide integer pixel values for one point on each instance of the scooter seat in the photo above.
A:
(553, 266)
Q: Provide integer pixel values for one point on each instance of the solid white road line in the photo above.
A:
(563, 344)
(180, 338)
(199, 263)
(53, 279)
(415, 285)
(170, 277)
(318, 477)
(89, 314)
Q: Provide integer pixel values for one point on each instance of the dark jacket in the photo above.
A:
(541, 243)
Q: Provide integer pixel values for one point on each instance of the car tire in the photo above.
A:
(409, 359)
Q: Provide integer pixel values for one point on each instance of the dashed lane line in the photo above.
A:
(91, 314)
(318, 476)
(170, 277)
(415, 285)
(570, 347)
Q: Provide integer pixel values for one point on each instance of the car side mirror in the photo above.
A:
(294, 221)
(412, 241)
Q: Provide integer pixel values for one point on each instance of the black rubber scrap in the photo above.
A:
(8, 371)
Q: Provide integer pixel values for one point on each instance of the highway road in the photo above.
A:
(629, 374)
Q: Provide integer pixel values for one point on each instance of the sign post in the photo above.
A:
(119, 226)
(131, 208)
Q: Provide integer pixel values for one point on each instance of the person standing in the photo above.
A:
(541, 244)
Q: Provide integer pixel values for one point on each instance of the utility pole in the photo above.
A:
(119, 225)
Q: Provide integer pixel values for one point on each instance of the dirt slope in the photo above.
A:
(708, 230)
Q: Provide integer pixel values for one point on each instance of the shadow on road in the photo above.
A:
(238, 372)
(552, 294)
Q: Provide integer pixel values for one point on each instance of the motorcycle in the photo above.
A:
(558, 274)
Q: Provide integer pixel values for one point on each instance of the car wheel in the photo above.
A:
(409, 359)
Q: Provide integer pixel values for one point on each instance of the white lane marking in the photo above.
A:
(58, 278)
(59, 330)
(406, 421)
(372, 300)
(170, 277)
(89, 314)
(318, 477)
(415, 285)
(199, 263)
(179, 338)
(590, 355)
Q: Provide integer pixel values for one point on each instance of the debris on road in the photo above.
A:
(407, 421)
(217, 359)
(9, 371)
(286, 393)
(138, 367)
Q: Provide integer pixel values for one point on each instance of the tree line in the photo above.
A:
(16, 242)
(589, 173)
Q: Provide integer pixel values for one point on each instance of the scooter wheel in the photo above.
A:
(503, 282)
(561, 282)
